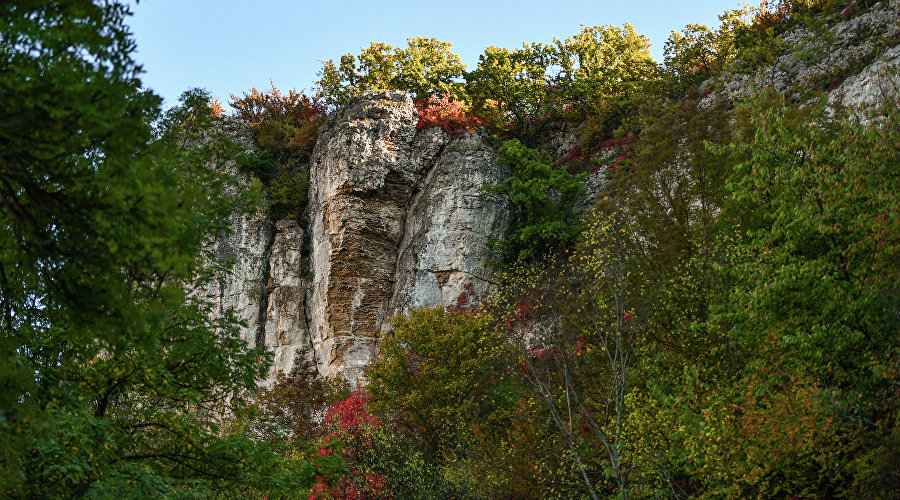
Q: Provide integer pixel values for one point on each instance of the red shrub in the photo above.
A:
(350, 422)
(450, 115)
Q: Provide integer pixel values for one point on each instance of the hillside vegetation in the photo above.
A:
(720, 321)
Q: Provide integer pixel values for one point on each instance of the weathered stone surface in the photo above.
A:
(871, 86)
(245, 251)
(398, 220)
(367, 163)
(450, 223)
(242, 288)
(813, 61)
(286, 329)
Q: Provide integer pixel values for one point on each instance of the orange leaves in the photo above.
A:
(451, 116)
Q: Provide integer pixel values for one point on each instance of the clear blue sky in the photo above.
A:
(229, 46)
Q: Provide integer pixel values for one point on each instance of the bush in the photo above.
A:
(544, 197)
(284, 128)
(451, 116)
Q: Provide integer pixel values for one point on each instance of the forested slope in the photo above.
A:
(570, 271)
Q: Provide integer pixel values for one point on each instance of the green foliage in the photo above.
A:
(784, 342)
(510, 85)
(544, 198)
(440, 384)
(384, 459)
(426, 68)
(602, 72)
(292, 407)
(825, 247)
(115, 374)
(284, 128)
(434, 369)
(823, 283)
(260, 164)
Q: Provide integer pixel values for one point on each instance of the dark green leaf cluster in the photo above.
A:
(544, 197)
(115, 376)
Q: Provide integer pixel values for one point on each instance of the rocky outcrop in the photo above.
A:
(870, 87)
(450, 223)
(849, 59)
(398, 217)
(286, 327)
(241, 288)
(398, 220)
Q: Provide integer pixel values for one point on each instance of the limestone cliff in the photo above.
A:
(398, 219)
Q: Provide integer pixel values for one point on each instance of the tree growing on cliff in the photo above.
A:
(427, 68)
(284, 126)
(544, 196)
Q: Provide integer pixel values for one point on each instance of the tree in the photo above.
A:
(544, 197)
(604, 72)
(818, 287)
(510, 86)
(601, 72)
(284, 126)
(426, 68)
(118, 376)
(430, 369)
(577, 328)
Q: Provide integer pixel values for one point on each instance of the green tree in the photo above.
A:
(117, 376)
(438, 380)
(427, 67)
(544, 197)
(601, 72)
(604, 72)
(819, 283)
(430, 366)
(510, 86)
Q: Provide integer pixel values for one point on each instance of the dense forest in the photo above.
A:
(720, 321)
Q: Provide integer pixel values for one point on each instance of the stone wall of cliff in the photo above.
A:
(397, 216)
(397, 219)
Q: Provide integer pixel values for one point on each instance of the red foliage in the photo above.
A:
(348, 415)
(466, 301)
(369, 486)
(621, 142)
(351, 422)
(577, 153)
(450, 115)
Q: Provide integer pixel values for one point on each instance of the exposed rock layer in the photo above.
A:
(398, 219)
(393, 207)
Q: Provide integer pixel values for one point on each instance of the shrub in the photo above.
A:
(451, 116)
(434, 368)
(382, 461)
(284, 128)
(544, 196)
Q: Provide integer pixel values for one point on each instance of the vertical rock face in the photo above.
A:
(242, 288)
(398, 220)
(450, 223)
(286, 331)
